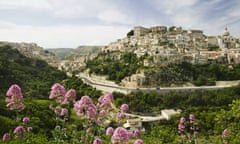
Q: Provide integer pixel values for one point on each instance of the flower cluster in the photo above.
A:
(62, 97)
(94, 118)
(225, 136)
(20, 130)
(187, 130)
(97, 141)
(138, 141)
(6, 137)
(105, 102)
(85, 107)
(14, 98)
(121, 135)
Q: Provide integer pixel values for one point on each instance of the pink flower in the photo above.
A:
(19, 130)
(130, 134)
(85, 104)
(124, 108)
(15, 91)
(181, 127)
(86, 100)
(136, 133)
(138, 141)
(64, 111)
(100, 99)
(6, 136)
(109, 131)
(71, 95)
(120, 135)
(14, 98)
(120, 116)
(192, 118)
(91, 111)
(103, 113)
(225, 133)
(105, 101)
(97, 141)
(109, 96)
(65, 101)
(182, 120)
(26, 120)
(99, 120)
(57, 90)
(29, 129)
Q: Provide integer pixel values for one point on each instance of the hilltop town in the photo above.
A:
(161, 46)
(174, 45)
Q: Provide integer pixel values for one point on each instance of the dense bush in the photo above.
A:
(116, 70)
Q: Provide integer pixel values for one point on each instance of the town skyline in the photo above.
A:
(56, 24)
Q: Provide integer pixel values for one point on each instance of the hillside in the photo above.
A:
(32, 50)
(36, 77)
(70, 53)
(74, 60)
(169, 56)
(61, 53)
(33, 75)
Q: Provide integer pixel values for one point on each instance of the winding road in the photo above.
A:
(107, 86)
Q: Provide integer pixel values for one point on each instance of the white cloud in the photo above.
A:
(70, 8)
(15, 4)
(64, 35)
(67, 19)
(171, 6)
(114, 16)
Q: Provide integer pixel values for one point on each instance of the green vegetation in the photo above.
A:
(115, 69)
(33, 75)
(70, 53)
(35, 78)
(213, 110)
(165, 74)
(151, 101)
(171, 29)
(130, 33)
(197, 74)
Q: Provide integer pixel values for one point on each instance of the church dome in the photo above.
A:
(226, 32)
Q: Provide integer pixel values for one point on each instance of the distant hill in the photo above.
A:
(34, 76)
(70, 53)
(88, 49)
(32, 50)
(61, 53)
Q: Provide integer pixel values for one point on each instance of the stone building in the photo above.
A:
(226, 41)
(140, 31)
(136, 80)
(159, 29)
(212, 41)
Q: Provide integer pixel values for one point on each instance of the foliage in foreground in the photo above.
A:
(84, 121)
(90, 123)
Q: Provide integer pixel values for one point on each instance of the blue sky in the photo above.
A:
(70, 23)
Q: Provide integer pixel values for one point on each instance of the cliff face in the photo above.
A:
(32, 50)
